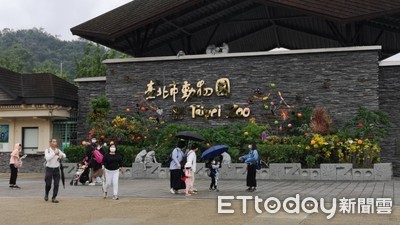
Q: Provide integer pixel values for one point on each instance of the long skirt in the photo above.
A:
(251, 176)
(175, 179)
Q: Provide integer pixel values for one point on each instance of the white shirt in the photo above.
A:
(191, 159)
(52, 160)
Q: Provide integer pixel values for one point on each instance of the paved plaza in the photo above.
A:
(148, 201)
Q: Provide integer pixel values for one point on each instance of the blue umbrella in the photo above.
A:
(214, 151)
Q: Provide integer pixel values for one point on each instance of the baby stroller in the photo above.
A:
(81, 175)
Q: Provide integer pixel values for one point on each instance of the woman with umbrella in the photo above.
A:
(251, 160)
(175, 168)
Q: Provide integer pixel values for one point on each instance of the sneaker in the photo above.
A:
(92, 184)
(46, 198)
(54, 200)
(172, 191)
(249, 189)
(210, 189)
(217, 190)
(17, 187)
(115, 197)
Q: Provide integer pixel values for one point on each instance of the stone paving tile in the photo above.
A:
(138, 197)
(32, 186)
(367, 192)
(388, 190)
(378, 190)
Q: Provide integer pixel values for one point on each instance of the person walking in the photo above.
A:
(15, 163)
(214, 175)
(53, 155)
(112, 166)
(192, 161)
(175, 168)
(188, 178)
(251, 160)
(96, 163)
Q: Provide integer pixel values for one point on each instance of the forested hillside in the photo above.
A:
(34, 51)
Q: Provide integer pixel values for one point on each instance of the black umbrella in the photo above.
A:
(62, 174)
(190, 135)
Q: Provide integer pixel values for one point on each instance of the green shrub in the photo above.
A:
(75, 154)
(297, 144)
(128, 153)
(280, 153)
(371, 124)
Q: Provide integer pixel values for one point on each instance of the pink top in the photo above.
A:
(14, 158)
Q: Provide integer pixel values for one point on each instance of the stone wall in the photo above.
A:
(389, 101)
(88, 89)
(340, 81)
(32, 163)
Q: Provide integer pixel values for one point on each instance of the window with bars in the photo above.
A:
(65, 131)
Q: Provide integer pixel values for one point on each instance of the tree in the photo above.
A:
(15, 58)
(91, 65)
(97, 117)
(49, 67)
(47, 53)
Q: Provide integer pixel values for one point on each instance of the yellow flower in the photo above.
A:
(327, 154)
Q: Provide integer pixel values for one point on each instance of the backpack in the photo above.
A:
(169, 160)
(183, 161)
(98, 156)
(258, 163)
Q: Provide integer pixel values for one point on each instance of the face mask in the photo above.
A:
(112, 149)
(250, 146)
(94, 140)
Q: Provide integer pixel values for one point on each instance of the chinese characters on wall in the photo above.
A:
(186, 91)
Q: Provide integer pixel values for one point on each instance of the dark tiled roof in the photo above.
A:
(37, 89)
(144, 28)
(341, 10)
(11, 82)
(129, 17)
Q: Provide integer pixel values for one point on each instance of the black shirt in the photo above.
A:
(112, 162)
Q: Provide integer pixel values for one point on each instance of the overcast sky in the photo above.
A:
(57, 17)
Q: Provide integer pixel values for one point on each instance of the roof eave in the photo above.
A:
(113, 36)
(330, 17)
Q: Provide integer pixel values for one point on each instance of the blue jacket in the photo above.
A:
(251, 158)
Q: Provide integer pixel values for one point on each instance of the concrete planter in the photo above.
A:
(276, 171)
